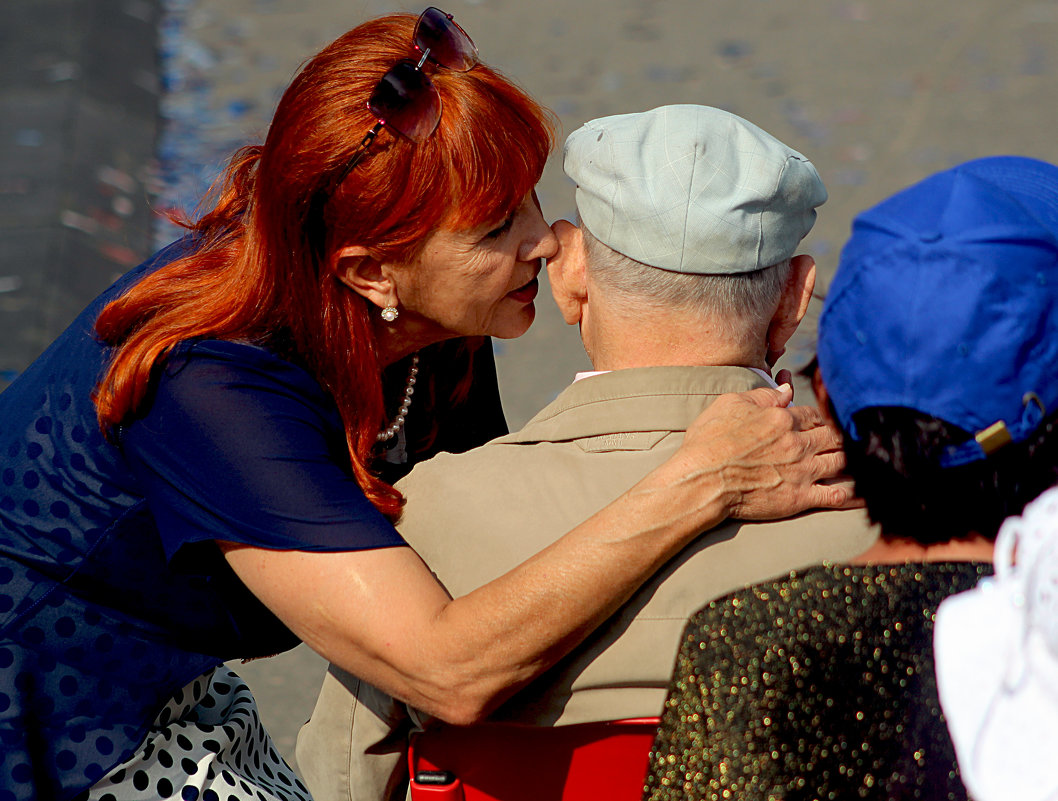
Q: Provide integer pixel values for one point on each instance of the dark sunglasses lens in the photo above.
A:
(406, 101)
(448, 44)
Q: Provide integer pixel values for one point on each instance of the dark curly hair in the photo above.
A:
(895, 464)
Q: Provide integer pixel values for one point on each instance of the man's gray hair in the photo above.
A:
(734, 299)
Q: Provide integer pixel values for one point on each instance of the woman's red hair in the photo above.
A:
(265, 268)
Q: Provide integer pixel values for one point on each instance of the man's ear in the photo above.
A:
(567, 272)
(796, 295)
(364, 275)
(819, 389)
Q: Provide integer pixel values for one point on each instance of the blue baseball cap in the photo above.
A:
(946, 301)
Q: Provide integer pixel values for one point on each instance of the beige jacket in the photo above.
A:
(474, 516)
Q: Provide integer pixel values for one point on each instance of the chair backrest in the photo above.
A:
(512, 762)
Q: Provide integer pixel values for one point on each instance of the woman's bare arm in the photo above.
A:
(381, 614)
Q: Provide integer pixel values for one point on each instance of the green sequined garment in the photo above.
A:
(817, 685)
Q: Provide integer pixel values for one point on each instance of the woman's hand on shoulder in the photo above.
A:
(772, 460)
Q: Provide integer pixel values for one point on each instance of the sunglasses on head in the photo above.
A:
(405, 99)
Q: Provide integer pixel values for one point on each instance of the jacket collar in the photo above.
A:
(637, 399)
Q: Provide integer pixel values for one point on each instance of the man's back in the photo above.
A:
(687, 255)
(474, 516)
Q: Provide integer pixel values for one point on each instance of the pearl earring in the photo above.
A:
(390, 313)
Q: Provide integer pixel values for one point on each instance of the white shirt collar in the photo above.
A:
(761, 373)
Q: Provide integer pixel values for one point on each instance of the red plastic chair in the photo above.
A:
(511, 762)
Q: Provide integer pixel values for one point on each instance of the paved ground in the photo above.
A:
(878, 94)
(78, 118)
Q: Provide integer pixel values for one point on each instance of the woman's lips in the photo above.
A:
(525, 293)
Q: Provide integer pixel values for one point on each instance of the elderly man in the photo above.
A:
(686, 284)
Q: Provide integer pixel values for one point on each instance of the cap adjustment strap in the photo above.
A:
(989, 440)
(993, 438)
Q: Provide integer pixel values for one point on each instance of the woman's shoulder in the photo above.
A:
(237, 352)
(237, 365)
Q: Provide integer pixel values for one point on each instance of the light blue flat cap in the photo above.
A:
(692, 189)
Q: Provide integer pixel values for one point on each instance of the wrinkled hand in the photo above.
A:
(771, 461)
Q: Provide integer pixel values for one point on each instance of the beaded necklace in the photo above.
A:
(409, 388)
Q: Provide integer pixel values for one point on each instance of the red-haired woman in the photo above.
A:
(191, 471)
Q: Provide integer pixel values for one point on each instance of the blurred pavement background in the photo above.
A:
(112, 110)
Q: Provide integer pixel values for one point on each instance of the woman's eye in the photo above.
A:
(501, 229)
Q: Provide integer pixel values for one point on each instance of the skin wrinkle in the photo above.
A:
(526, 669)
(458, 285)
(693, 477)
(740, 468)
(457, 677)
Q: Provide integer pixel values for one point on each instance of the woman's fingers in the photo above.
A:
(820, 436)
(839, 495)
(762, 396)
(774, 461)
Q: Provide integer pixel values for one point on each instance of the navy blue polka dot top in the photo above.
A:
(113, 594)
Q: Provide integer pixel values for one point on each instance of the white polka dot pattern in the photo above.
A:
(207, 744)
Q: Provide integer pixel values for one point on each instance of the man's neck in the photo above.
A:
(618, 343)
(684, 354)
(765, 374)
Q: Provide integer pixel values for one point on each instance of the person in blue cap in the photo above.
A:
(937, 347)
